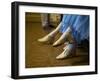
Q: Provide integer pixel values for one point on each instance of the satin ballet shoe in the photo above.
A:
(46, 40)
(63, 38)
(65, 45)
(68, 52)
(58, 43)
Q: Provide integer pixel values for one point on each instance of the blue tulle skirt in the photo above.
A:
(79, 25)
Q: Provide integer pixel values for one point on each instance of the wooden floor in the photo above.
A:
(41, 55)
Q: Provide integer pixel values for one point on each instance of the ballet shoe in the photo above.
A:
(68, 52)
(46, 40)
(65, 45)
(63, 39)
(58, 43)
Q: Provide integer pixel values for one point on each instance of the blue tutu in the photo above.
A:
(79, 25)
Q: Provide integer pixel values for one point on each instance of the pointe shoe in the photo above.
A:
(67, 52)
(46, 40)
(66, 43)
(58, 42)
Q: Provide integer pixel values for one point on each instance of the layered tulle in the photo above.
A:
(79, 25)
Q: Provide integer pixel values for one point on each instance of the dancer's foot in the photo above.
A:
(59, 42)
(69, 50)
(47, 39)
(65, 44)
(67, 35)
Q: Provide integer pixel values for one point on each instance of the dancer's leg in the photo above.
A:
(65, 36)
(55, 31)
(68, 51)
(49, 38)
